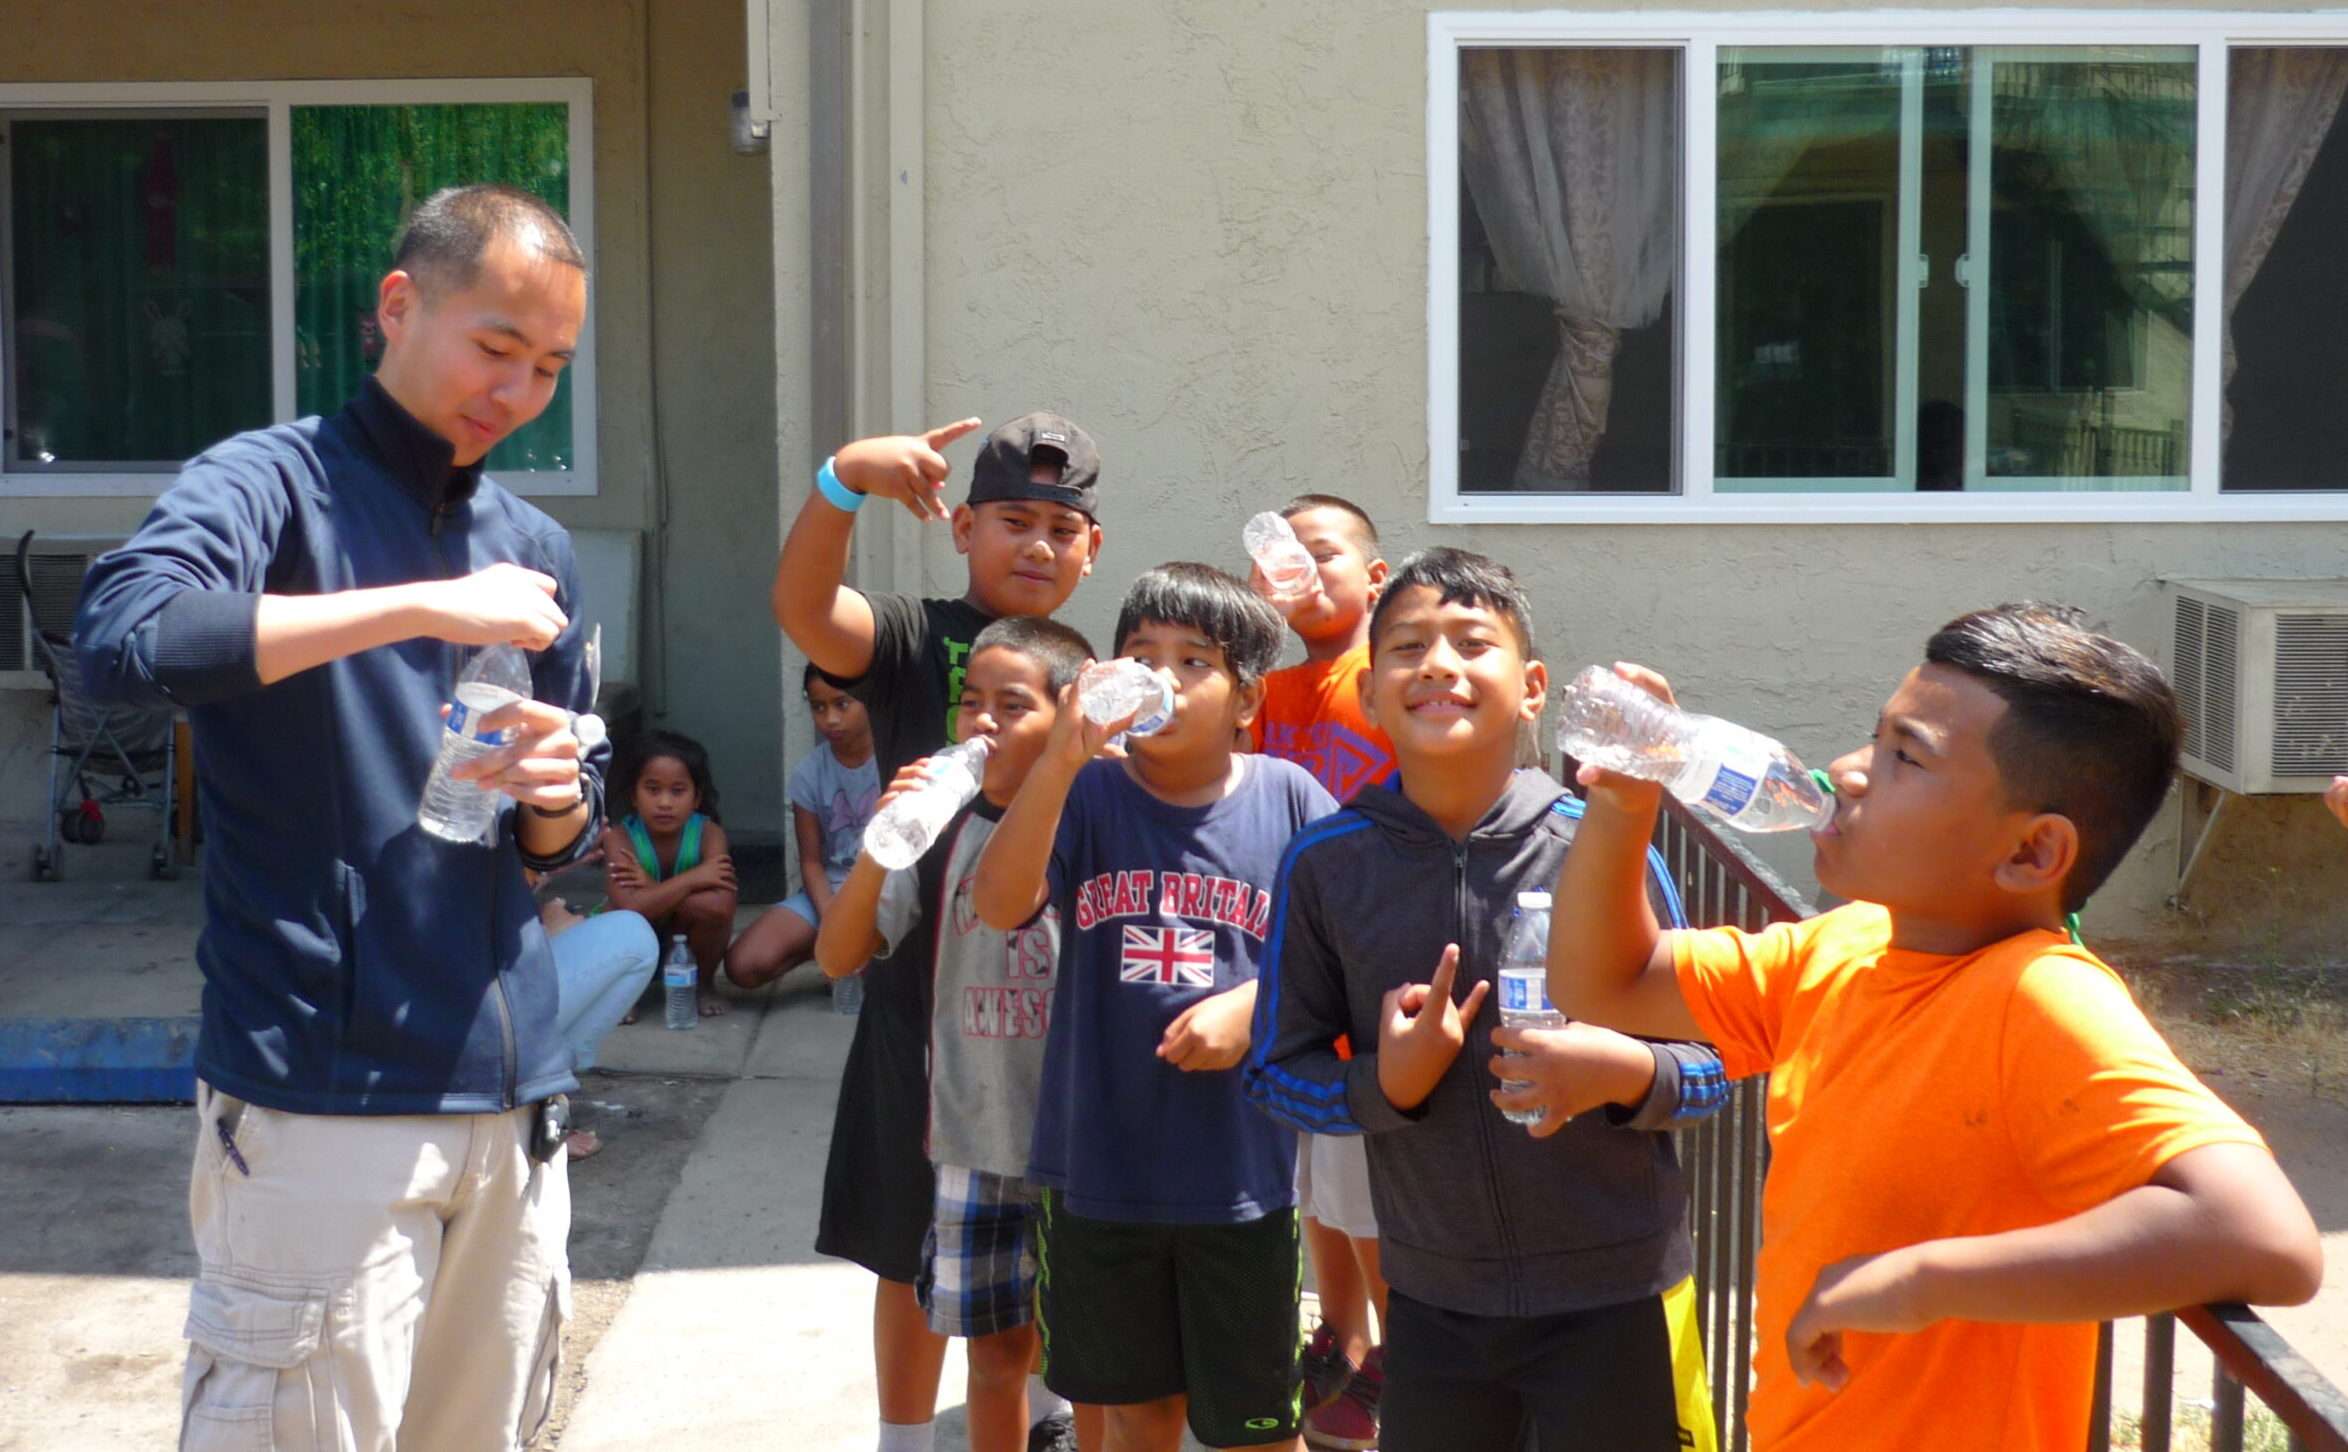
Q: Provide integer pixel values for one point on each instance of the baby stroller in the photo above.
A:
(99, 756)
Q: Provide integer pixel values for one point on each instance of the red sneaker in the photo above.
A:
(1350, 1423)
(1325, 1368)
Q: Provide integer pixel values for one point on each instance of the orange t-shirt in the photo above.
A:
(1915, 1097)
(1312, 715)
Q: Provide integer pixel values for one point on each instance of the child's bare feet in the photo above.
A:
(712, 1006)
(580, 1143)
(628, 1017)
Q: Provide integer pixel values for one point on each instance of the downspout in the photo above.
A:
(831, 97)
(908, 340)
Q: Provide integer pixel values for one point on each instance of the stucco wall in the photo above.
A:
(681, 299)
(1200, 230)
(718, 675)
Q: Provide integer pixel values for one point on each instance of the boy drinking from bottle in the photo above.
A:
(1979, 1148)
(1540, 1283)
(1169, 1288)
(992, 1005)
(1313, 715)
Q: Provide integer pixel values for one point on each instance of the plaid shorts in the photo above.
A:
(978, 1264)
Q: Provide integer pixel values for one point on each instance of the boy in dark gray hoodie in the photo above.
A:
(1534, 1281)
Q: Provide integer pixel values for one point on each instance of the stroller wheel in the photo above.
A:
(69, 825)
(44, 865)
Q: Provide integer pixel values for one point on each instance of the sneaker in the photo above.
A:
(1350, 1423)
(1325, 1368)
(1055, 1433)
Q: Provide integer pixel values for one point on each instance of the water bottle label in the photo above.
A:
(1524, 991)
(1741, 771)
(1730, 791)
(461, 718)
(677, 975)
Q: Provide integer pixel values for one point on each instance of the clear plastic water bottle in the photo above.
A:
(848, 994)
(1108, 689)
(1289, 570)
(1524, 985)
(1730, 774)
(677, 973)
(900, 832)
(460, 811)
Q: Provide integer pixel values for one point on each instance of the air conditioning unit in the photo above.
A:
(56, 564)
(2261, 670)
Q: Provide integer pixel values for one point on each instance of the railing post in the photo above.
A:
(2099, 1415)
(2225, 1415)
(2160, 1374)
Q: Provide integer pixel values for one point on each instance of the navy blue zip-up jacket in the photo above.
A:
(353, 963)
(1474, 1214)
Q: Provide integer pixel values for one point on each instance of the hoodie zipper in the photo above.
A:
(1485, 1130)
(505, 1008)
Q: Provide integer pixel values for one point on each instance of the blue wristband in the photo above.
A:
(841, 496)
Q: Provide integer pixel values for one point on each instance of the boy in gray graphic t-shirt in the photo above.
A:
(991, 1007)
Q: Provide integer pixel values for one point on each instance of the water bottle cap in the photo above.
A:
(1533, 901)
(676, 940)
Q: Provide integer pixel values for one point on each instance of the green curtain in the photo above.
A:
(141, 280)
(358, 172)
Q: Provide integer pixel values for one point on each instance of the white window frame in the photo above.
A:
(276, 100)
(1698, 37)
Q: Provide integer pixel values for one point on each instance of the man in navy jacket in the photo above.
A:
(383, 1259)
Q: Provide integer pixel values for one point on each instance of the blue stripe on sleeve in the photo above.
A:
(1312, 1105)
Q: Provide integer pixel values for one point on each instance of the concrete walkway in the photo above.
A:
(735, 1333)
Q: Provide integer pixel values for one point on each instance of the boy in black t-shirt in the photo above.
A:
(1031, 531)
(1028, 530)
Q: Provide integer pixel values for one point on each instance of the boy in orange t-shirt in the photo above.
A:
(1312, 712)
(1312, 715)
(1979, 1145)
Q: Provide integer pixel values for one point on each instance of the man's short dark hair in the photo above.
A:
(1460, 577)
(1217, 606)
(446, 236)
(2091, 729)
(1060, 649)
(1365, 532)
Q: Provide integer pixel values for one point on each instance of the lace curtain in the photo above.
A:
(1572, 158)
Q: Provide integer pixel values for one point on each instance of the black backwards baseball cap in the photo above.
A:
(1010, 453)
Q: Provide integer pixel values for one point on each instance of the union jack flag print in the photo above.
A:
(1180, 956)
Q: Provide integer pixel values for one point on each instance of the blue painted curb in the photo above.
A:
(98, 1060)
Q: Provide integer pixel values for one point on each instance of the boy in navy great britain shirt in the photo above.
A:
(1169, 1231)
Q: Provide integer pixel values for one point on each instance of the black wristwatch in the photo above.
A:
(536, 810)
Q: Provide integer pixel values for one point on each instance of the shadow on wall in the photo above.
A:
(2267, 889)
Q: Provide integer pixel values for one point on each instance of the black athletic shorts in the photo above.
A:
(1596, 1378)
(878, 1185)
(1136, 1312)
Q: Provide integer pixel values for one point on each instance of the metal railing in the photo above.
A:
(2247, 1357)
(1722, 886)
(1727, 1156)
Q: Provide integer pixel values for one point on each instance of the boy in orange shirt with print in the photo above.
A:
(1979, 1146)
(1312, 715)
